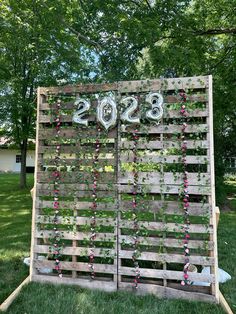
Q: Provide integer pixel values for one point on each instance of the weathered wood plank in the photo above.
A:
(168, 207)
(106, 206)
(78, 251)
(127, 239)
(76, 162)
(168, 258)
(167, 242)
(198, 82)
(166, 189)
(165, 144)
(168, 99)
(168, 129)
(166, 274)
(73, 133)
(70, 220)
(168, 227)
(77, 266)
(169, 159)
(81, 88)
(87, 194)
(43, 118)
(71, 188)
(167, 292)
(79, 236)
(75, 177)
(75, 149)
(108, 286)
(166, 178)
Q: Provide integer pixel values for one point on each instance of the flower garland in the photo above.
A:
(94, 205)
(185, 196)
(56, 181)
(135, 138)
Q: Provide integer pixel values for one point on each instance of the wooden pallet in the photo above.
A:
(160, 216)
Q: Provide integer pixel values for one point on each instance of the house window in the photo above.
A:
(18, 159)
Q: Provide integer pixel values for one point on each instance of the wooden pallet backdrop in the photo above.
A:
(159, 215)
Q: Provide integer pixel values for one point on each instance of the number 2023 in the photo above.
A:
(107, 110)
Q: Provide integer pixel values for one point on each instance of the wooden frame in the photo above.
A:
(162, 254)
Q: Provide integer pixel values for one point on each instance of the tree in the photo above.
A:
(36, 50)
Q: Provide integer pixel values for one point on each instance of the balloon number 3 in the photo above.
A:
(107, 110)
(156, 101)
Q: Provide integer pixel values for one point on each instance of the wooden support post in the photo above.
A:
(5, 305)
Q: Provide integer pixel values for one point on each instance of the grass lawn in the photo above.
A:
(15, 224)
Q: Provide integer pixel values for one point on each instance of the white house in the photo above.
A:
(10, 158)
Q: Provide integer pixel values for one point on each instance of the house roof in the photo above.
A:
(7, 143)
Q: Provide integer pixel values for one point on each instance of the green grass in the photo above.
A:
(15, 222)
(15, 225)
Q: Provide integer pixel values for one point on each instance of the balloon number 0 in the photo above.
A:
(107, 110)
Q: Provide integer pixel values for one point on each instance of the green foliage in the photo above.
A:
(15, 225)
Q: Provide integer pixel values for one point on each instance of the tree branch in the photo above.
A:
(216, 31)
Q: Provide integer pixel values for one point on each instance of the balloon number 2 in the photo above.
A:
(107, 110)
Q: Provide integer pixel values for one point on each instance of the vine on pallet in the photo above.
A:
(94, 204)
(185, 195)
(135, 255)
(56, 182)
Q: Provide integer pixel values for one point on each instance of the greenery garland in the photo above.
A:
(185, 195)
(94, 205)
(56, 204)
(135, 255)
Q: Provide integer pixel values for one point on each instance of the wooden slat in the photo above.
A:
(166, 274)
(167, 242)
(169, 159)
(69, 220)
(167, 189)
(197, 113)
(72, 133)
(166, 178)
(78, 266)
(70, 235)
(127, 177)
(76, 162)
(168, 207)
(78, 205)
(168, 227)
(168, 258)
(168, 99)
(75, 177)
(70, 188)
(79, 251)
(78, 193)
(168, 129)
(199, 82)
(91, 116)
(75, 149)
(108, 286)
(152, 145)
(128, 239)
(169, 293)
(82, 88)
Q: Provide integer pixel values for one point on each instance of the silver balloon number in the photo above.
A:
(83, 106)
(132, 104)
(107, 112)
(156, 101)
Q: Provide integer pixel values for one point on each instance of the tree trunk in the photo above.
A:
(23, 164)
